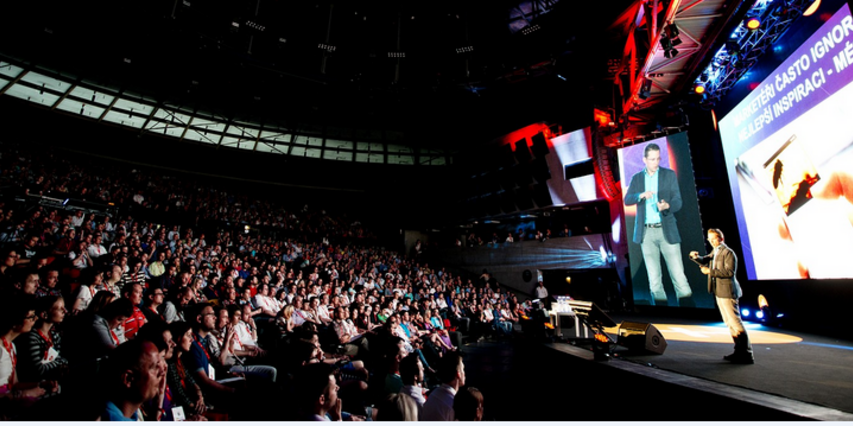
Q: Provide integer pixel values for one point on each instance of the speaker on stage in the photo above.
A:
(641, 336)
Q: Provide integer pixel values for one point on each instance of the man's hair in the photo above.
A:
(192, 312)
(448, 365)
(409, 369)
(14, 309)
(20, 276)
(45, 304)
(465, 404)
(650, 147)
(119, 307)
(43, 272)
(153, 332)
(718, 232)
(127, 289)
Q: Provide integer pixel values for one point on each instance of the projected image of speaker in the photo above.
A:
(641, 337)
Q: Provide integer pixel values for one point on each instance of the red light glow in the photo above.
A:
(601, 117)
(526, 133)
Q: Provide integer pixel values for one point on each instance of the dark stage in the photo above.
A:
(796, 377)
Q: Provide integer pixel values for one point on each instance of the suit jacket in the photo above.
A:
(721, 279)
(668, 191)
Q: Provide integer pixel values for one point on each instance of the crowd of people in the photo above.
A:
(123, 318)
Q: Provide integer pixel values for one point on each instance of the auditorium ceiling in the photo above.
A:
(410, 83)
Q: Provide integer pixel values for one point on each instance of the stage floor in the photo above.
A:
(805, 375)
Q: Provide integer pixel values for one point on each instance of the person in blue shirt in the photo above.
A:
(133, 376)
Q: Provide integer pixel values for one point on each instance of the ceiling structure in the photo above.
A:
(405, 84)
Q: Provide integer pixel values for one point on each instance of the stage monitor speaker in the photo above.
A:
(641, 336)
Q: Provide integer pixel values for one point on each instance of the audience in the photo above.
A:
(303, 288)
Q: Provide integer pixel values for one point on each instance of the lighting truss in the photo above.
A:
(744, 47)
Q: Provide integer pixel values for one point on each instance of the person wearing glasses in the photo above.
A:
(17, 317)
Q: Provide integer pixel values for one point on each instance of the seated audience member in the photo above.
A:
(111, 283)
(86, 292)
(316, 393)
(186, 392)
(439, 405)
(225, 354)
(397, 407)
(246, 335)
(285, 321)
(106, 331)
(468, 405)
(348, 334)
(25, 281)
(169, 395)
(48, 279)
(133, 292)
(156, 298)
(39, 351)
(132, 376)
(197, 361)
(173, 310)
(412, 374)
(17, 317)
(395, 354)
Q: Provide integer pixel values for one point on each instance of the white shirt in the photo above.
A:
(439, 406)
(5, 365)
(96, 250)
(84, 293)
(244, 335)
(416, 392)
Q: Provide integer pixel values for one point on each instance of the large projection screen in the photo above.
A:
(789, 161)
(675, 156)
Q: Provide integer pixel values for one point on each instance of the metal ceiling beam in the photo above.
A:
(637, 82)
(13, 82)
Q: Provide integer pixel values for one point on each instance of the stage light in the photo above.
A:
(646, 89)
(530, 29)
(665, 43)
(672, 30)
(745, 312)
(812, 9)
(671, 53)
(699, 89)
(759, 315)
(752, 24)
(672, 34)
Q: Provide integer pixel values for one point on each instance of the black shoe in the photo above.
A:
(740, 358)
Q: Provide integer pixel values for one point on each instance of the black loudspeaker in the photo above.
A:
(641, 337)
